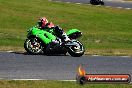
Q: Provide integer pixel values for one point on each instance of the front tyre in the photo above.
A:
(78, 50)
(101, 2)
(33, 46)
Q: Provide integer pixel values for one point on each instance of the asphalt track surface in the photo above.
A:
(22, 66)
(111, 3)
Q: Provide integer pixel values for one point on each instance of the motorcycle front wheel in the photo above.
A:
(78, 50)
(33, 46)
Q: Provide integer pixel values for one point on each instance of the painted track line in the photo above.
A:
(128, 8)
(42, 80)
(35, 79)
(68, 2)
(9, 51)
(27, 79)
(79, 3)
(98, 5)
(119, 7)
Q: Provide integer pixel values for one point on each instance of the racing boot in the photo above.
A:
(65, 37)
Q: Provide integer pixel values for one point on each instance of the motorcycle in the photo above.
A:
(47, 42)
(97, 2)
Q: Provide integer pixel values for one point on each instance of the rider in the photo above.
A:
(44, 24)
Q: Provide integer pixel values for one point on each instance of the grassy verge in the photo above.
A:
(56, 84)
(105, 30)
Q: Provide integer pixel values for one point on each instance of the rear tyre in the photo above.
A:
(33, 46)
(78, 50)
(101, 2)
(94, 2)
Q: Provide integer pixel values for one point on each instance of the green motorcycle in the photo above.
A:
(47, 42)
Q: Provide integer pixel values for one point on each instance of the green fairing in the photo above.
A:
(45, 36)
(72, 31)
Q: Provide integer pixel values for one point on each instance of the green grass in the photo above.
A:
(56, 84)
(127, 0)
(105, 30)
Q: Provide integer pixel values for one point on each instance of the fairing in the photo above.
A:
(45, 36)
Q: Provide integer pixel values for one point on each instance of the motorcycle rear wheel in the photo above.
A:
(76, 51)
